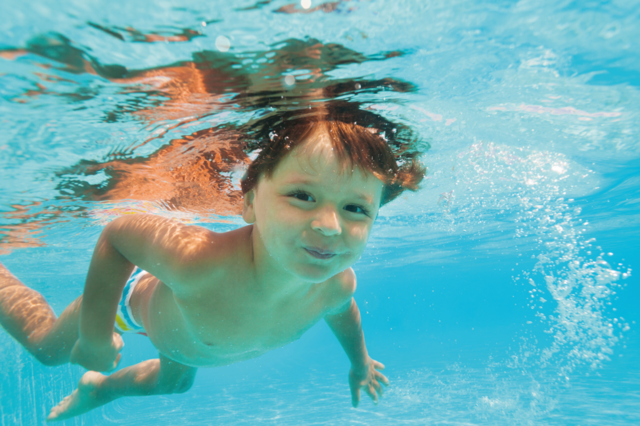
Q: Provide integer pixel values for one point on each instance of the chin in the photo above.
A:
(315, 274)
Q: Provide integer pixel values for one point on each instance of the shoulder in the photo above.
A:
(209, 254)
(211, 262)
(185, 257)
(157, 230)
(345, 282)
(341, 289)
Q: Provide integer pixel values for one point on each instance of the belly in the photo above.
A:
(153, 304)
(217, 331)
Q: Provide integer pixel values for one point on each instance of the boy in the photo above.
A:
(207, 299)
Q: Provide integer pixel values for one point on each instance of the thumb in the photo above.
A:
(355, 395)
(118, 342)
(116, 362)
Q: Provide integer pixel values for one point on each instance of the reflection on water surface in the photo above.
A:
(194, 167)
(531, 109)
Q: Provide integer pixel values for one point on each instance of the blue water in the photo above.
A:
(504, 292)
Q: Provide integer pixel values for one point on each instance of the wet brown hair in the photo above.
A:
(359, 137)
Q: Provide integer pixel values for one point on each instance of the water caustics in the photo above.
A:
(189, 111)
(527, 116)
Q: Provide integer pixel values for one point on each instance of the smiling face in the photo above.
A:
(314, 213)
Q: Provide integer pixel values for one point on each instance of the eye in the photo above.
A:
(354, 208)
(301, 195)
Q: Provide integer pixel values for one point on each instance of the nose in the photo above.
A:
(327, 222)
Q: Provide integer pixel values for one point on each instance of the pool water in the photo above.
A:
(501, 293)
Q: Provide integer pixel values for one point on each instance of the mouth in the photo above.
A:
(320, 254)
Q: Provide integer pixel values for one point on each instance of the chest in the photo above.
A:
(247, 324)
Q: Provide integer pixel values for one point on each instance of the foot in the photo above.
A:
(83, 399)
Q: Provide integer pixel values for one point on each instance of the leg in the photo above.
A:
(29, 319)
(152, 377)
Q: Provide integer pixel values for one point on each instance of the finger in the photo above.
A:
(382, 379)
(355, 396)
(372, 393)
(378, 387)
(378, 365)
(118, 342)
(110, 368)
(116, 362)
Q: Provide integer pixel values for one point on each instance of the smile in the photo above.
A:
(320, 254)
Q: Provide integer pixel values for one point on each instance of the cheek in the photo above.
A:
(358, 235)
(279, 225)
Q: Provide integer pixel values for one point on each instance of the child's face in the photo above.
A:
(314, 215)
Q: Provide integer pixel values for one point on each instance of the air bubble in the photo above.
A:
(223, 44)
(289, 80)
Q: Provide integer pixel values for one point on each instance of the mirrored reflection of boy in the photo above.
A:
(208, 299)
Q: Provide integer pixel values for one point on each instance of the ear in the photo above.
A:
(248, 210)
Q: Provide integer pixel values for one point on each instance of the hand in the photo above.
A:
(368, 378)
(97, 357)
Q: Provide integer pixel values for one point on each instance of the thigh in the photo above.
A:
(175, 377)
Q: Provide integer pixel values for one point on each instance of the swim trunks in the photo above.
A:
(124, 318)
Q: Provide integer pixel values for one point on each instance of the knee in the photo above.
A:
(179, 386)
(184, 385)
(47, 359)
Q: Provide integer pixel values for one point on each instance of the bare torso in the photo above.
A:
(227, 321)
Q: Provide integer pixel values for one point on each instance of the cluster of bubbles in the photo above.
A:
(577, 277)
(571, 285)
(520, 201)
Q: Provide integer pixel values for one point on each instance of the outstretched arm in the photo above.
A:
(364, 374)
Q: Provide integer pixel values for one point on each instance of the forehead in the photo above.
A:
(315, 160)
(316, 155)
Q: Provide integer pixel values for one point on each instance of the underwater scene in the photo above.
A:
(502, 291)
